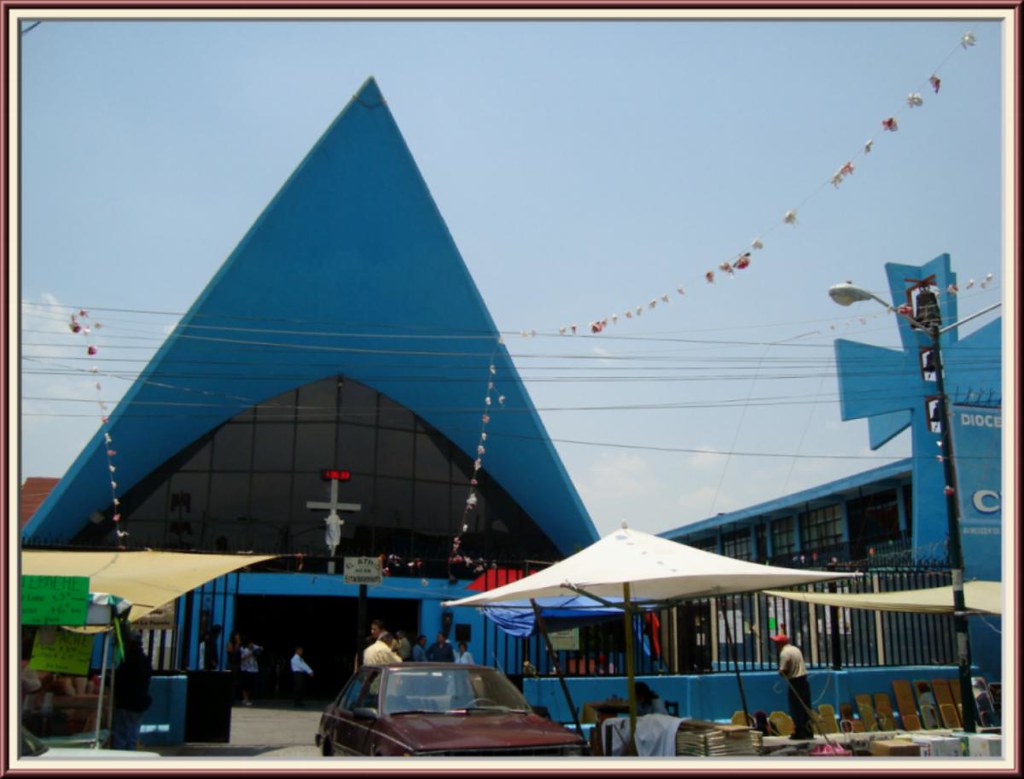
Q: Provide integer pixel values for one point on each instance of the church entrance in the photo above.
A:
(325, 627)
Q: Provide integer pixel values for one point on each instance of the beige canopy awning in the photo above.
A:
(146, 579)
(980, 597)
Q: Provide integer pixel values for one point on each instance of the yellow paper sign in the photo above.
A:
(61, 651)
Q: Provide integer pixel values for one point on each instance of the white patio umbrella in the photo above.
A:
(632, 569)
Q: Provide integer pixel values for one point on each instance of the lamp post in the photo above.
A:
(846, 294)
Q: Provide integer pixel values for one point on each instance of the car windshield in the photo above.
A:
(440, 690)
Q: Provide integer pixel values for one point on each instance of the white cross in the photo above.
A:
(333, 505)
(332, 536)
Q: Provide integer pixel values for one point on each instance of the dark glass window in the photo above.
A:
(358, 404)
(232, 447)
(314, 447)
(356, 448)
(186, 507)
(395, 416)
(394, 453)
(393, 503)
(737, 544)
(432, 507)
(783, 541)
(246, 485)
(271, 498)
(318, 402)
(821, 529)
(273, 447)
(153, 506)
(874, 520)
(229, 496)
(432, 461)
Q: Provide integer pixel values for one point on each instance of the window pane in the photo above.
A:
(356, 448)
(273, 447)
(394, 453)
(432, 458)
(314, 447)
(186, 507)
(232, 447)
(433, 510)
(229, 497)
(271, 498)
(394, 415)
(393, 503)
(358, 404)
(318, 402)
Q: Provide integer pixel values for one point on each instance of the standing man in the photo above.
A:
(381, 651)
(131, 694)
(300, 672)
(441, 651)
(419, 649)
(793, 670)
(404, 648)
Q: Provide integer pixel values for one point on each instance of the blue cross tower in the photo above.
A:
(896, 389)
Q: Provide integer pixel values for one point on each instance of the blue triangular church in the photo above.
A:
(343, 333)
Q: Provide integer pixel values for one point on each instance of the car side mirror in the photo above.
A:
(364, 712)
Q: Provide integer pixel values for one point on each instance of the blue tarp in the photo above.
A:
(517, 618)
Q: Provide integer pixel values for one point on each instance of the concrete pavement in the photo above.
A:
(266, 729)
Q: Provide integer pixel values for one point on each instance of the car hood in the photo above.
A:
(435, 733)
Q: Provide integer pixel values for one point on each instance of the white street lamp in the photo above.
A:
(846, 294)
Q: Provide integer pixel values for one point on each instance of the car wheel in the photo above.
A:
(326, 748)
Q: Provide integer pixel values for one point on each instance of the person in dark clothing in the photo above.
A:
(441, 651)
(131, 694)
(209, 652)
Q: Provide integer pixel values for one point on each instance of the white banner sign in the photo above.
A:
(362, 570)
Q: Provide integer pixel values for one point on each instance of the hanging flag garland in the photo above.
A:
(742, 260)
(80, 325)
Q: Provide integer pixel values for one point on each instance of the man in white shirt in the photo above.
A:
(301, 672)
(381, 651)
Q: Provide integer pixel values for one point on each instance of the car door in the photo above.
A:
(352, 734)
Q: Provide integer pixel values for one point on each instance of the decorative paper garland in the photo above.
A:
(457, 555)
(79, 325)
(742, 260)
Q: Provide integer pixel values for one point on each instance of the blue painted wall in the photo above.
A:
(717, 696)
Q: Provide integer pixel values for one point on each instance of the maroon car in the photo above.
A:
(438, 709)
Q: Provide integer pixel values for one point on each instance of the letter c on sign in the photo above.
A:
(986, 501)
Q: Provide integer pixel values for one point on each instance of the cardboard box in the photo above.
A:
(938, 746)
(982, 744)
(895, 748)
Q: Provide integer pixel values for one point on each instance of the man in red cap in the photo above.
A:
(793, 670)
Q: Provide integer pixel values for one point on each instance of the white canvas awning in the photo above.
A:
(147, 579)
(980, 597)
(657, 571)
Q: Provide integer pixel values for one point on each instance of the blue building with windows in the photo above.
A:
(896, 515)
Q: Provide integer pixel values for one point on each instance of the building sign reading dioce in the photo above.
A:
(362, 570)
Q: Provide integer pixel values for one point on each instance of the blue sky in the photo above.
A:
(584, 168)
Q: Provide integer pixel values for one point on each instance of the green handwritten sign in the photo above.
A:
(54, 600)
(62, 651)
